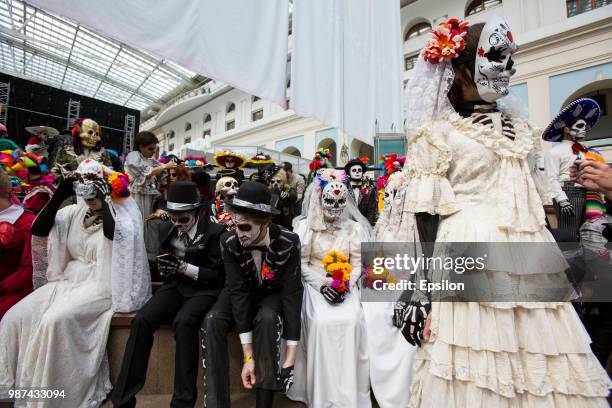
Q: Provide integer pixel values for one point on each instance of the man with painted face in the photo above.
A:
(361, 189)
(261, 302)
(568, 130)
(190, 261)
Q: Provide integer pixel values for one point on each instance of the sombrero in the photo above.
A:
(39, 131)
(585, 108)
(221, 157)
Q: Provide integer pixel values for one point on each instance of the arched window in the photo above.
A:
(207, 118)
(476, 6)
(417, 29)
(231, 108)
(187, 126)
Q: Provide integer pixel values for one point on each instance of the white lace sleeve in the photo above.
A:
(427, 161)
(316, 279)
(130, 276)
(39, 261)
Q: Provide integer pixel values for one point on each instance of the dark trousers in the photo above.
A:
(186, 315)
(571, 224)
(267, 330)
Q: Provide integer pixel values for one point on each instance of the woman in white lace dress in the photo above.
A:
(55, 338)
(331, 368)
(470, 164)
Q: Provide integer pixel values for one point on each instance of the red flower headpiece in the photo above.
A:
(446, 42)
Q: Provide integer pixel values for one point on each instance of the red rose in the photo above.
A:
(337, 275)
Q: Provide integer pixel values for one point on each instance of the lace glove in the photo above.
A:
(566, 208)
(103, 192)
(415, 321)
(287, 377)
(332, 296)
(400, 309)
(169, 265)
(46, 218)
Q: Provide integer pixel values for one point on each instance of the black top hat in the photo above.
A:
(355, 162)
(182, 196)
(252, 197)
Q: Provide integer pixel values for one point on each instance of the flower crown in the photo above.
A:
(446, 42)
(119, 183)
(326, 176)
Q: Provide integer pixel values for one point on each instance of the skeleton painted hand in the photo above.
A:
(566, 208)
(287, 377)
(332, 296)
(102, 189)
(399, 313)
(169, 265)
(284, 195)
(415, 322)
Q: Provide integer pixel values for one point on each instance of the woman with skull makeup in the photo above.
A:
(332, 359)
(92, 255)
(470, 180)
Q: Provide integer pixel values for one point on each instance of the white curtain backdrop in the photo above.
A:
(346, 64)
(240, 42)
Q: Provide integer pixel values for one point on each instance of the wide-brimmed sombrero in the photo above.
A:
(221, 157)
(585, 108)
(42, 131)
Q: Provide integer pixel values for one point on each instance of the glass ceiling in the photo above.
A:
(50, 49)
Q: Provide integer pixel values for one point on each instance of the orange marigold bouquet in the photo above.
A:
(337, 267)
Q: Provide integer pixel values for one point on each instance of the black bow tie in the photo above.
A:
(261, 248)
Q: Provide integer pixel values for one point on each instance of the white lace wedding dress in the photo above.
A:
(494, 354)
(331, 368)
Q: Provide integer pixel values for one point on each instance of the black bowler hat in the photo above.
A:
(355, 162)
(252, 197)
(182, 196)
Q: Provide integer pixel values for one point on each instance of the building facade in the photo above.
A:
(565, 53)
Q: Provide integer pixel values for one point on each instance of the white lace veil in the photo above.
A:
(312, 210)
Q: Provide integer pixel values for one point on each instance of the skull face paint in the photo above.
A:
(356, 173)
(334, 199)
(227, 186)
(183, 221)
(494, 64)
(90, 133)
(87, 172)
(247, 229)
(578, 130)
(230, 163)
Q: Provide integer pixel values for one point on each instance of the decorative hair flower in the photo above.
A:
(446, 42)
(338, 269)
(324, 176)
(119, 183)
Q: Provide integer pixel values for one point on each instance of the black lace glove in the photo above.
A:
(46, 218)
(331, 295)
(102, 189)
(415, 321)
(287, 378)
(168, 265)
(400, 309)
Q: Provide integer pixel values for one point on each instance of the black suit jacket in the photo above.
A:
(368, 201)
(247, 289)
(204, 252)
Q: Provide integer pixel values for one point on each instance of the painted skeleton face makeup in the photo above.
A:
(183, 221)
(230, 163)
(87, 172)
(494, 64)
(356, 173)
(578, 130)
(90, 133)
(247, 229)
(334, 199)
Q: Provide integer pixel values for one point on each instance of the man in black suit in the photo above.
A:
(190, 261)
(262, 301)
(362, 189)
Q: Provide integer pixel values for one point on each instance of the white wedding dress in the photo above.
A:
(331, 368)
(493, 354)
(55, 338)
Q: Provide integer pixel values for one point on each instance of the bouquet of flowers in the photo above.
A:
(337, 267)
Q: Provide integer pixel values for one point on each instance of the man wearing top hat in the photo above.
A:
(262, 301)
(190, 261)
(361, 189)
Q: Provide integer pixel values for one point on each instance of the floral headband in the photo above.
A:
(326, 176)
(446, 42)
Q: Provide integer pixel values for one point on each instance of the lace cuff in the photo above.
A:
(431, 194)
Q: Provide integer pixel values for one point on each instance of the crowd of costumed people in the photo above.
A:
(251, 246)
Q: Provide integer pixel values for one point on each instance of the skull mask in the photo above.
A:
(279, 180)
(90, 134)
(356, 173)
(334, 199)
(494, 64)
(578, 130)
(87, 172)
(226, 186)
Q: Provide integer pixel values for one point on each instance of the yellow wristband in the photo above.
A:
(248, 358)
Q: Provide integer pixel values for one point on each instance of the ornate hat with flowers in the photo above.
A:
(221, 158)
